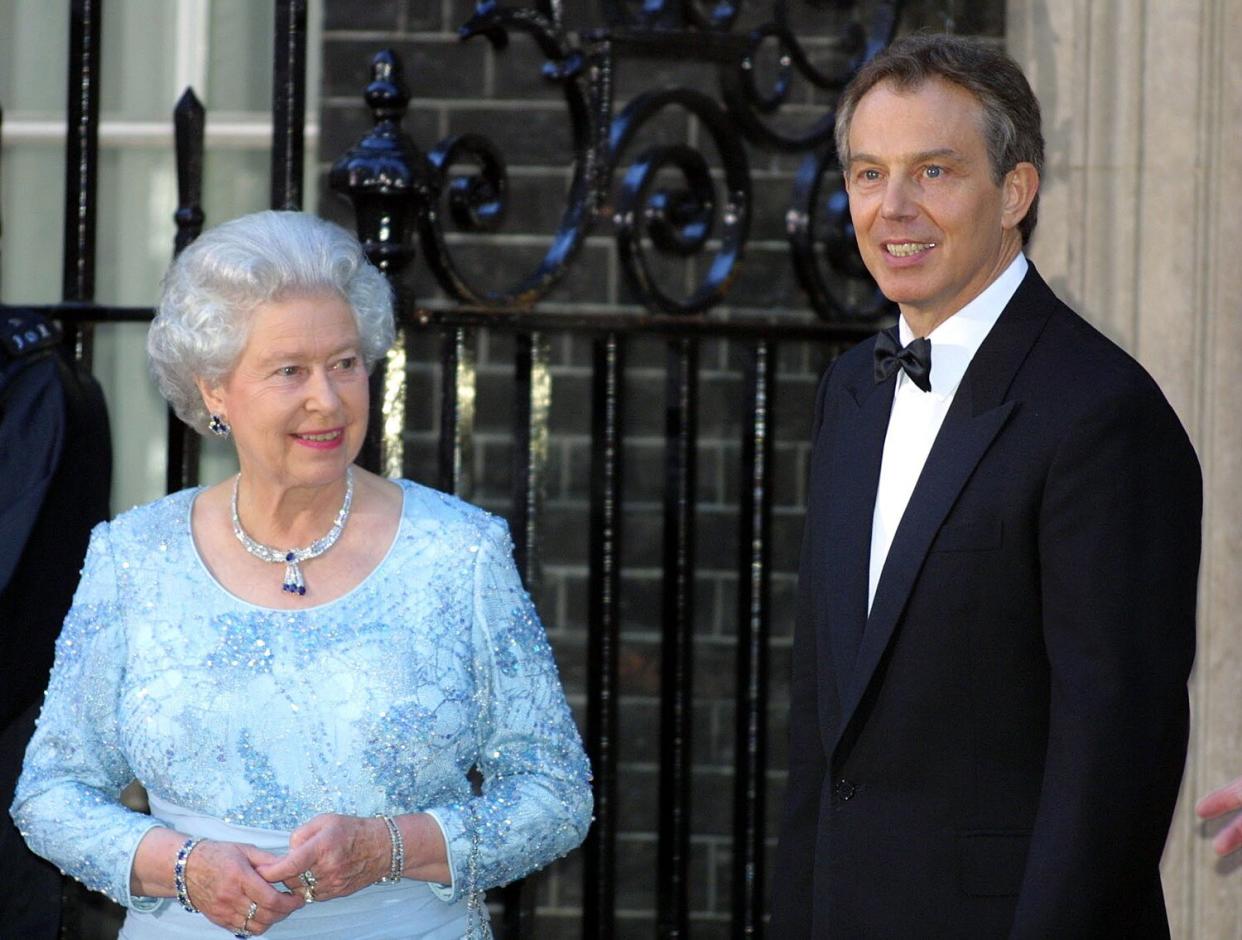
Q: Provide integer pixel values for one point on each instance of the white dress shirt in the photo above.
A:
(917, 415)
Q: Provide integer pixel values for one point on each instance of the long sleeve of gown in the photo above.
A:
(67, 803)
(536, 798)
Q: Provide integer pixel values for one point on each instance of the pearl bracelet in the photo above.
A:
(183, 855)
(398, 851)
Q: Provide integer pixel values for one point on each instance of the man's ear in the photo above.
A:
(1018, 191)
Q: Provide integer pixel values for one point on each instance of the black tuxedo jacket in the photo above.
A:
(996, 749)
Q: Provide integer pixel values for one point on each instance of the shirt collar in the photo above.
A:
(957, 339)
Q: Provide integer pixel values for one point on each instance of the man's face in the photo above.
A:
(933, 227)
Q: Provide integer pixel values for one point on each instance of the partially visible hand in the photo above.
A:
(345, 854)
(1225, 800)
(222, 881)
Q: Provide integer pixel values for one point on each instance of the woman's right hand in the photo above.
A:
(221, 881)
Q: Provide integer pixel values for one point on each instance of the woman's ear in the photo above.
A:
(213, 400)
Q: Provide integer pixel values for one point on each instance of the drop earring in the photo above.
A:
(218, 427)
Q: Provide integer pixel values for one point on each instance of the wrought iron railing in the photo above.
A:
(461, 184)
(402, 194)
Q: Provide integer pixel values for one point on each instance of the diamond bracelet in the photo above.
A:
(398, 851)
(183, 893)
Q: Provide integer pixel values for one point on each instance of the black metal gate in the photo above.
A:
(403, 195)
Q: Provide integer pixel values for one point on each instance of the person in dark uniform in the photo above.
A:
(55, 474)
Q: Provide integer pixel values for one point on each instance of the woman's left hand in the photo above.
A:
(343, 854)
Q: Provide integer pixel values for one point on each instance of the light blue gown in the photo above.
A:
(244, 721)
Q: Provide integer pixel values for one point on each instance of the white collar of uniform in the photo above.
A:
(957, 339)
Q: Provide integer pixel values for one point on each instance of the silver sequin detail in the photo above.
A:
(378, 702)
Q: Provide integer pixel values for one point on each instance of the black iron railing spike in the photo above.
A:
(288, 103)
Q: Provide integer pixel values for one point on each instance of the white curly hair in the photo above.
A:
(212, 288)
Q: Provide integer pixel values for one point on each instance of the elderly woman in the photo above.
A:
(302, 663)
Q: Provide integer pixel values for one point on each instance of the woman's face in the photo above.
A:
(297, 399)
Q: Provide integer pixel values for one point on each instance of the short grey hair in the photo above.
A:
(1011, 119)
(213, 287)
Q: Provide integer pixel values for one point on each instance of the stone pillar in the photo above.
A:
(1140, 219)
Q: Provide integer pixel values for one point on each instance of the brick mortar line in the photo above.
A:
(723, 382)
(632, 700)
(581, 571)
(649, 506)
(649, 837)
(532, 170)
(549, 104)
(720, 447)
(450, 35)
(597, 241)
(710, 640)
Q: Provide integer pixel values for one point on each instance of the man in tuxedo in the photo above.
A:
(997, 591)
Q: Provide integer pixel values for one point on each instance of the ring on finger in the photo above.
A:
(245, 927)
(308, 879)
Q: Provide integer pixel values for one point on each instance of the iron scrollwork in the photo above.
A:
(855, 43)
(462, 183)
(679, 221)
(821, 236)
(464, 179)
(478, 199)
(672, 14)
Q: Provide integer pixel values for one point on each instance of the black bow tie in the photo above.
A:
(915, 359)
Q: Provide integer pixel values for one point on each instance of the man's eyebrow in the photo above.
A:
(938, 153)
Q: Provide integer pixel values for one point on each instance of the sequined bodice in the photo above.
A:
(378, 701)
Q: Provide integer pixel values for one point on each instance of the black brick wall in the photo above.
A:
(459, 87)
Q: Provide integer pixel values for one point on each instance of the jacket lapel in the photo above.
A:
(854, 475)
(978, 413)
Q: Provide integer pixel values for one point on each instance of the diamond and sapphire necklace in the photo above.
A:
(292, 559)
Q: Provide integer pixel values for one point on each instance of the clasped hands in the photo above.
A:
(344, 853)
